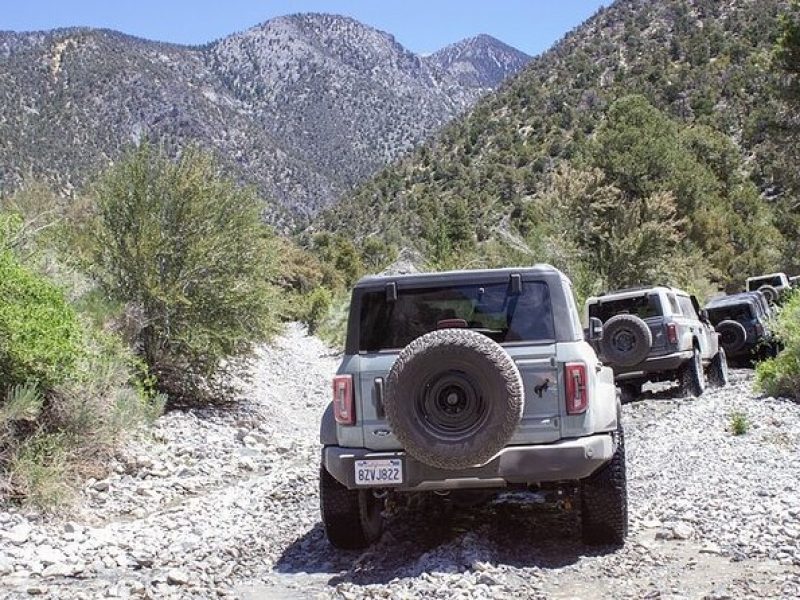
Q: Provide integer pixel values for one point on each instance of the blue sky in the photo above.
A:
(420, 25)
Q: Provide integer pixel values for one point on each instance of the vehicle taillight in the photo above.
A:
(576, 386)
(672, 333)
(343, 409)
(759, 329)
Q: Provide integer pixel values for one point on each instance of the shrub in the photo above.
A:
(39, 331)
(780, 376)
(739, 423)
(319, 303)
(188, 252)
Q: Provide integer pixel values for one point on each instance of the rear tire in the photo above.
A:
(693, 377)
(718, 370)
(352, 519)
(604, 500)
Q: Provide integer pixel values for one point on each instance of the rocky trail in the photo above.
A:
(223, 503)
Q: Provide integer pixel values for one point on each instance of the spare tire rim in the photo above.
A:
(624, 340)
(451, 407)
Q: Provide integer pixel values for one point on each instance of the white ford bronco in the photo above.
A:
(658, 334)
(470, 380)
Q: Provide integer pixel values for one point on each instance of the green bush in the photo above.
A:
(39, 331)
(319, 304)
(739, 423)
(780, 376)
(189, 255)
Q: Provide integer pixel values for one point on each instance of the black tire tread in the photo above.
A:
(693, 381)
(342, 517)
(717, 372)
(604, 500)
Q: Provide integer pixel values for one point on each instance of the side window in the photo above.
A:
(673, 304)
(686, 307)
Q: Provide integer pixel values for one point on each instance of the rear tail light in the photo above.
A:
(759, 329)
(343, 406)
(672, 333)
(577, 389)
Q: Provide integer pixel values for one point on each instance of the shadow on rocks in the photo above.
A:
(433, 535)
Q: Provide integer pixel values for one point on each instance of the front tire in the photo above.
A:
(604, 500)
(352, 519)
(693, 376)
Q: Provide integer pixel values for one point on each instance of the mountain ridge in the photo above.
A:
(304, 106)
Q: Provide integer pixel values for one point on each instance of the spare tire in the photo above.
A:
(454, 398)
(626, 340)
(770, 293)
(732, 336)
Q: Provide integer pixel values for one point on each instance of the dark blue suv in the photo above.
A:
(742, 321)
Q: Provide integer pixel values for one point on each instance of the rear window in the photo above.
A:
(736, 312)
(490, 309)
(643, 307)
(754, 284)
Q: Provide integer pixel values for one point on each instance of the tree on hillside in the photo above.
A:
(187, 252)
(647, 155)
(622, 241)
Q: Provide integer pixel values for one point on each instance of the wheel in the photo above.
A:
(770, 293)
(732, 335)
(352, 518)
(626, 340)
(718, 369)
(454, 398)
(630, 392)
(693, 377)
(604, 500)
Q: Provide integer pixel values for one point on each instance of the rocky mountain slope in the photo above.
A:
(303, 106)
(223, 503)
(701, 63)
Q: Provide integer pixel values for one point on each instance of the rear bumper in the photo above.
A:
(656, 364)
(568, 460)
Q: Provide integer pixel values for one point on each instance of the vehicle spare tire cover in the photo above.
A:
(770, 293)
(732, 335)
(626, 340)
(454, 398)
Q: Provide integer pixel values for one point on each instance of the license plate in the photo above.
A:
(379, 472)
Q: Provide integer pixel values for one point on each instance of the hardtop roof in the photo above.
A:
(458, 276)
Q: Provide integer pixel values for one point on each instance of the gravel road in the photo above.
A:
(223, 503)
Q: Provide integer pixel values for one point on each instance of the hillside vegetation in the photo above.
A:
(640, 148)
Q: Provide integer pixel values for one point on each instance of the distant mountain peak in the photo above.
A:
(481, 61)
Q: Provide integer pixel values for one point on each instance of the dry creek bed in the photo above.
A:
(223, 503)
